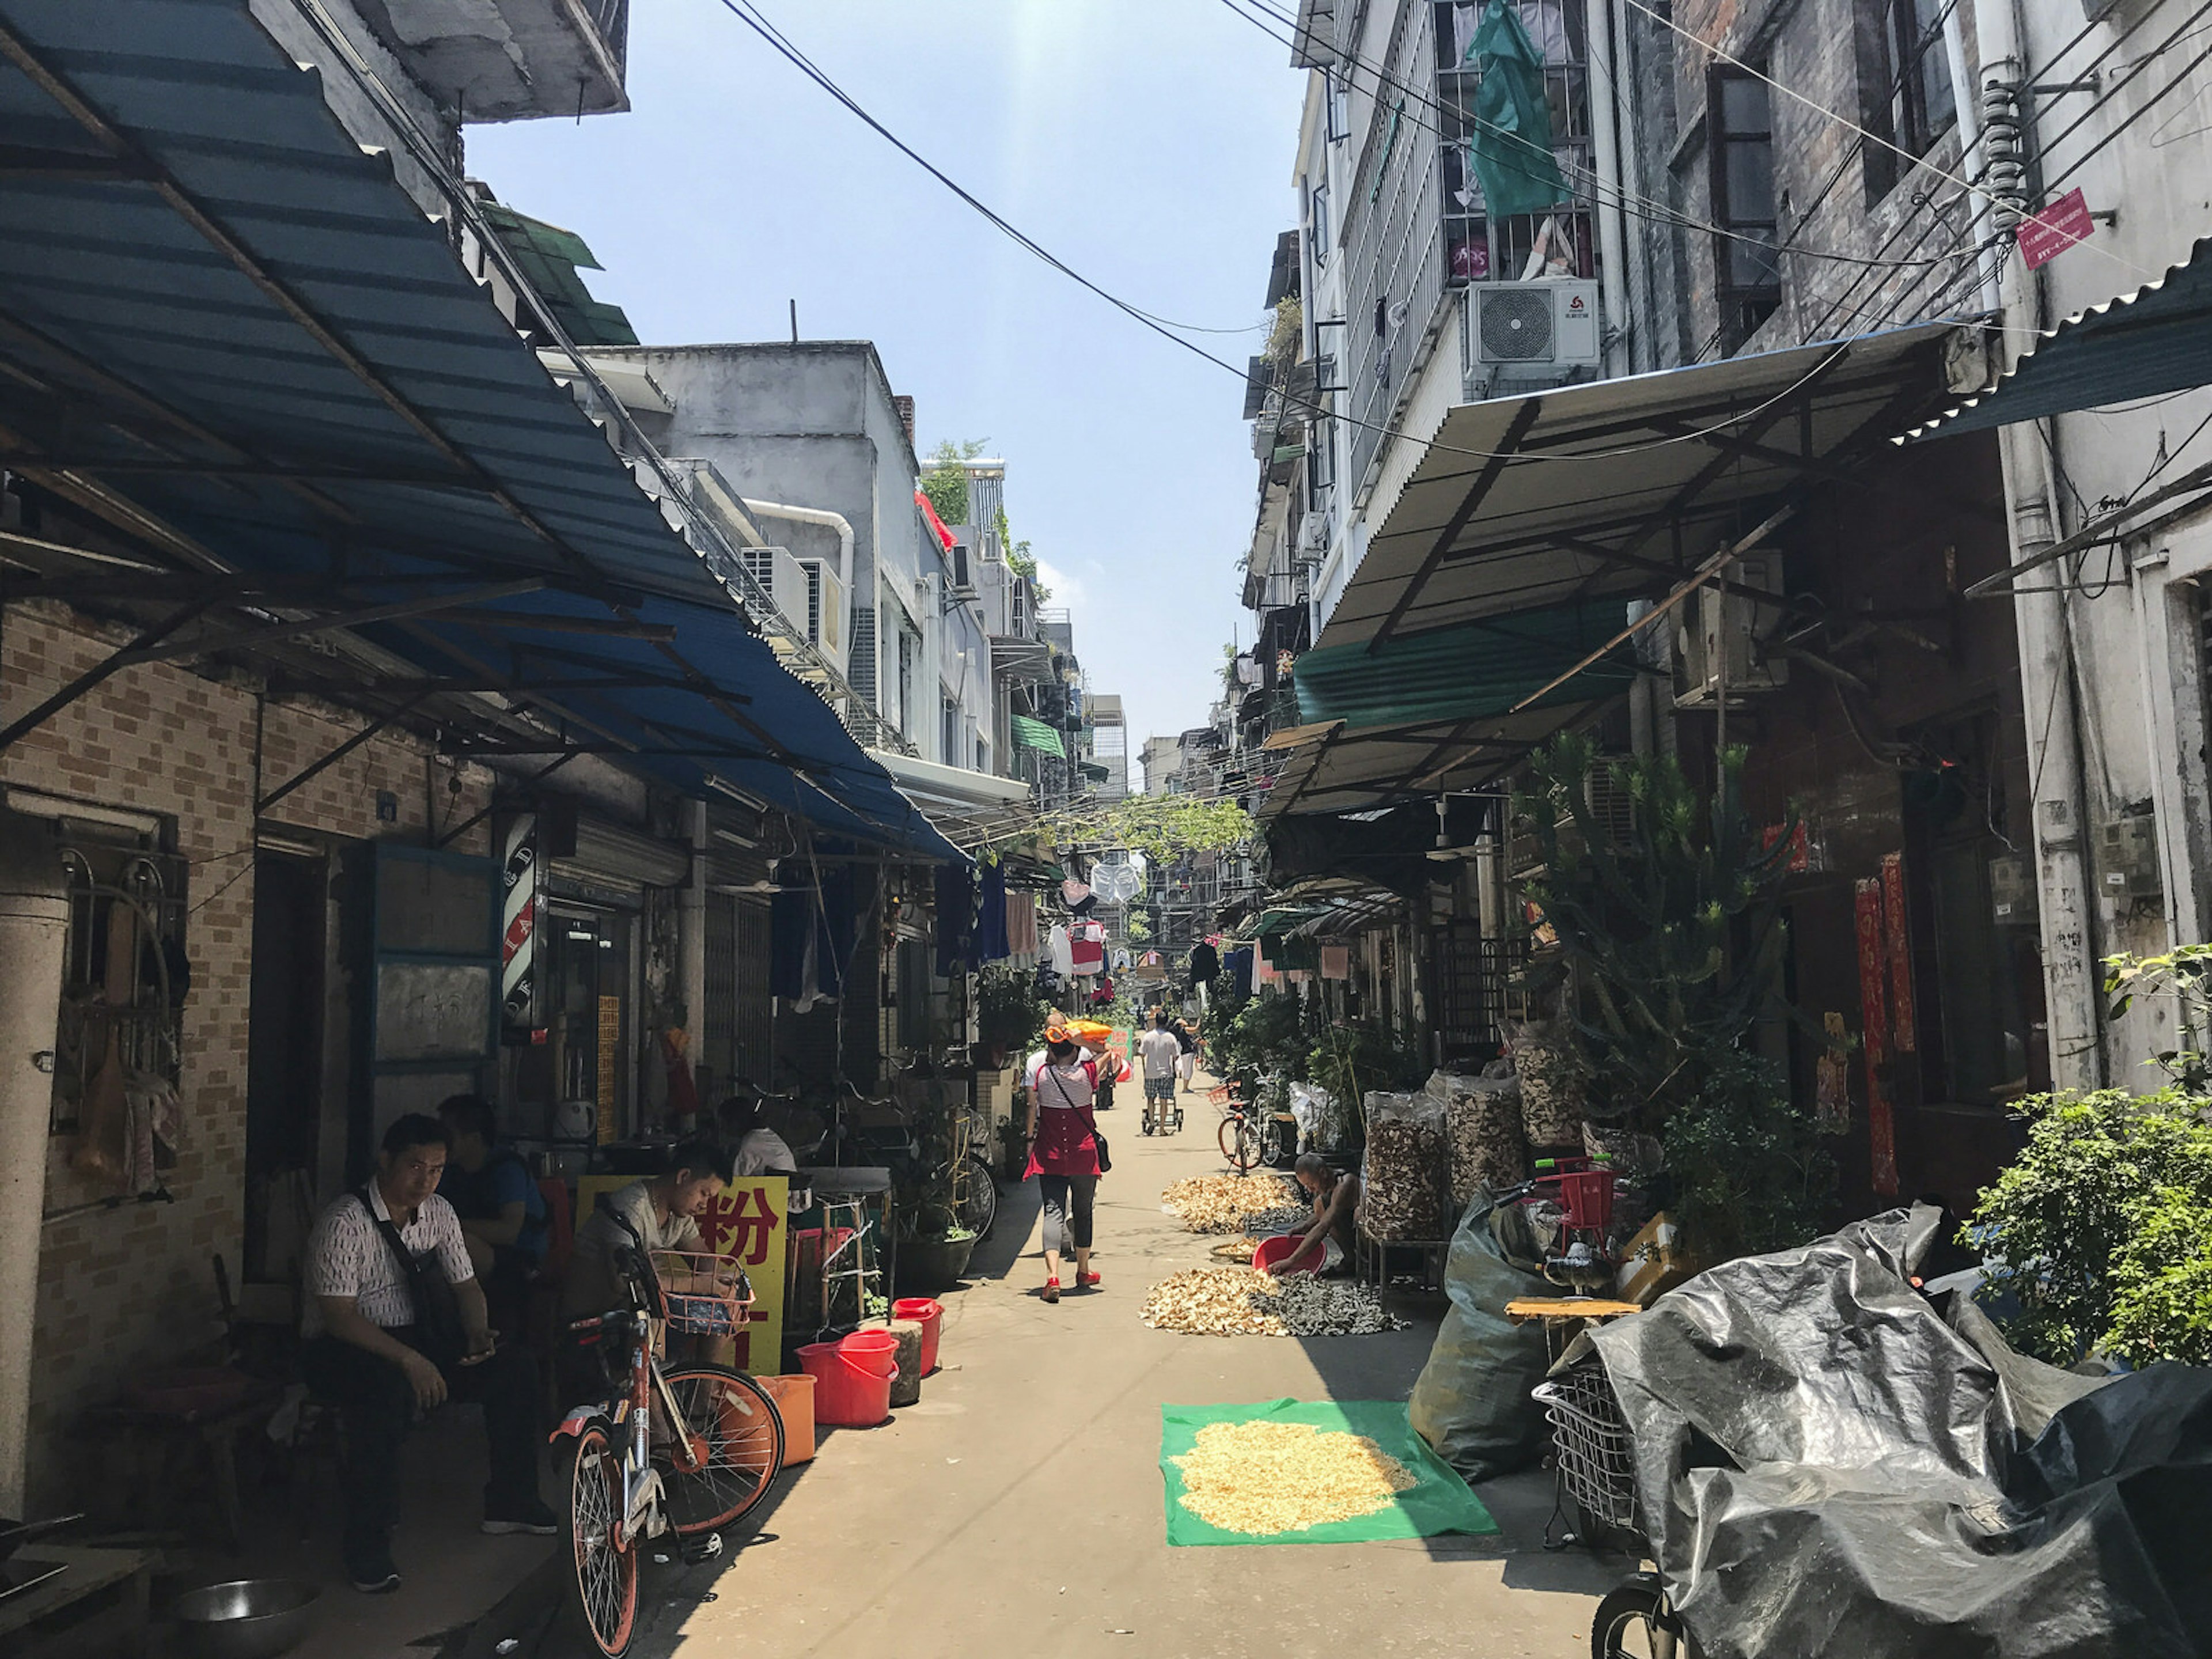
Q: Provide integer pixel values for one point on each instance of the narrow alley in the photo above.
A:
(1017, 1508)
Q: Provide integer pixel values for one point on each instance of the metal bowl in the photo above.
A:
(246, 1619)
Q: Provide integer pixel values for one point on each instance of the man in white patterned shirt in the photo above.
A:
(387, 1342)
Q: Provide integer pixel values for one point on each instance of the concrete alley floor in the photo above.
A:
(1018, 1509)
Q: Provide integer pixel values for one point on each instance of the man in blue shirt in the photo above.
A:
(502, 1213)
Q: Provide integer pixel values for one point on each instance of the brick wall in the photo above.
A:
(131, 1288)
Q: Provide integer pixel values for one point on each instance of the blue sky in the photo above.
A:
(1147, 142)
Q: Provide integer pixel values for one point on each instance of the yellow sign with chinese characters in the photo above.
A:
(749, 1223)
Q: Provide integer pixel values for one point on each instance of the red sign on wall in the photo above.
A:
(2044, 236)
(1904, 1034)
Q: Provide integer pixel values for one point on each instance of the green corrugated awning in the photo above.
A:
(1475, 672)
(1035, 734)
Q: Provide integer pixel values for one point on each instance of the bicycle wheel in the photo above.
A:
(978, 1205)
(736, 1435)
(1239, 1142)
(603, 1603)
(1635, 1622)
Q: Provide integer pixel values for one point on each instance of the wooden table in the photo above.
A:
(97, 1609)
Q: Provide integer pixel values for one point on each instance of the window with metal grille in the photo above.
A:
(1740, 128)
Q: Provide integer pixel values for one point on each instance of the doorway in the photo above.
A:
(283, 1056)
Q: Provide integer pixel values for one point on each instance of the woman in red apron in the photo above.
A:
(1064, 1153)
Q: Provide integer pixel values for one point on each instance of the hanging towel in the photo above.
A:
(1058, 955)
(1336, 962)
(990, 929)
(1021, 924)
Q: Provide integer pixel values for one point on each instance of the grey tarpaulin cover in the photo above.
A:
(1831, 1463)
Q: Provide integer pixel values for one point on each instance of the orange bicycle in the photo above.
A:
(687, 1449)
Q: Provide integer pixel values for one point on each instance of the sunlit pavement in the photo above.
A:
(1018, 1509)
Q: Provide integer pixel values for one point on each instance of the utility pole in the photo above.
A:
(2072, 981)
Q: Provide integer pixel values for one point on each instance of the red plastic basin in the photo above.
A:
(1272, 1251)
(872, 1351)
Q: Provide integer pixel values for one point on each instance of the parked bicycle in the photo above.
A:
(1246, 1135)
(1593, 1455)
(687, 1449)
(892, 1143)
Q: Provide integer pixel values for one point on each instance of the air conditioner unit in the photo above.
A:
(1529, 330)
(1720, 637)
(822, 613)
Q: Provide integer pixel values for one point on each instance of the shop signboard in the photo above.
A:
(2044, 236)
(748, 1223)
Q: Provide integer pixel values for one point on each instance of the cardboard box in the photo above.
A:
(1654, 1263)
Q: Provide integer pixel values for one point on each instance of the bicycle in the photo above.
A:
(974, 1185)
(1246, 1131)
(1594, 1456)
(687, 1449)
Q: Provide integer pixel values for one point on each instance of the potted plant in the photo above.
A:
(1010, 1016)
(934, 1248)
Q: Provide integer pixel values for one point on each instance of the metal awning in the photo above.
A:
(235, 342)
(1031, 734)
(1474, 671)
(1341, 770)
(2154, 340)
(1620, 487)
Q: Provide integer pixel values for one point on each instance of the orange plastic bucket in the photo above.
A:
(845, 1396)
(928, 1313)
(875, 1351)
(794, 1404)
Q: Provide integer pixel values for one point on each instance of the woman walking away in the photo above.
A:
(1064, 1153)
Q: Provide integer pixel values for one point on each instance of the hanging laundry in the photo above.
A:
(1205, 964)
(1087, 947)
(1336, 962)
(1058, 955)
(1021, 924)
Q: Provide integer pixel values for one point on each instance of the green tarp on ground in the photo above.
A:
(1439, 1502)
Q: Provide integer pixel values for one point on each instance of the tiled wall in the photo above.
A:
(128, 1289)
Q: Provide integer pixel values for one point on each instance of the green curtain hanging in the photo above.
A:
(1510, 149)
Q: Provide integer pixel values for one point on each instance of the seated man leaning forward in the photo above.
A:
(664, 1210)
(1327, 1243)
(396, 1324)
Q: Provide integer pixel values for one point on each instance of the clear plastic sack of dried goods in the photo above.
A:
(1485, 1150)
(1471, 1402)
(1401, 1177)
(1552, 1086)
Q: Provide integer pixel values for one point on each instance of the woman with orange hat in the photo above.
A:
(1064, 1153)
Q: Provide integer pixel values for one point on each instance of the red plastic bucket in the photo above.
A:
(1272, 1251)
(874, 1351)
(928, 1313)
(845, 1395)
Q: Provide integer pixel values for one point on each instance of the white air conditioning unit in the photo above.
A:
(1529, 330)
(1722, 633)
(822, 613)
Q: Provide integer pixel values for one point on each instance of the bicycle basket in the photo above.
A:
(1590, 1439)
(706, 1294)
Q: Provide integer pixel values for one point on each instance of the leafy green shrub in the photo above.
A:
(2104, 1226)
(1669, 926)
(1752, 1170)
(1009, 1015)
(1260, 1037)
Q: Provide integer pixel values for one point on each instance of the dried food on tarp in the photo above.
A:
(1402, 1180)
(1828, 1461)
(1485, 1149)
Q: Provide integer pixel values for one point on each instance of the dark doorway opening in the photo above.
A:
(284, 1052)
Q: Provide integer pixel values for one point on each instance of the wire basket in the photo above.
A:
(707, 1294)
(1595, 1449)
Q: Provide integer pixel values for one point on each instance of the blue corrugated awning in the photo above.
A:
(2157, 339)
(271, 354)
